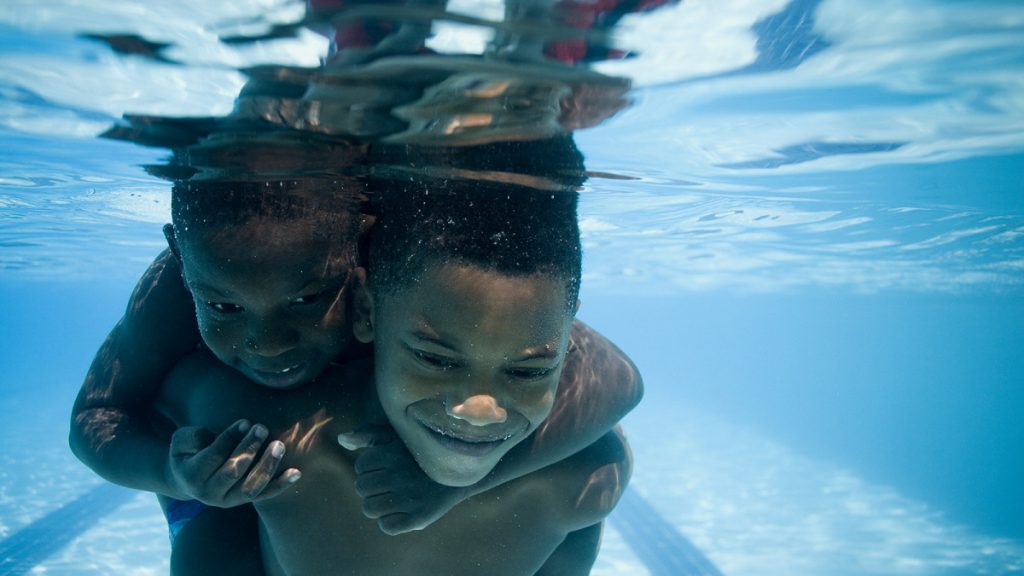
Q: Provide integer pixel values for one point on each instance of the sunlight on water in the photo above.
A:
(863, 159)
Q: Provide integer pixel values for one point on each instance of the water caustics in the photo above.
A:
(739, 146)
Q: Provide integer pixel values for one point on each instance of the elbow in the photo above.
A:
(612, 469)
(637, 388)
(76, 438)
(632, 385)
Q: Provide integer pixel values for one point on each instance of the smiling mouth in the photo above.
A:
(463, 444)
(290, 375)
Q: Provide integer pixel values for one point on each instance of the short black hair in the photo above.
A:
(330, 207)
(510, 207)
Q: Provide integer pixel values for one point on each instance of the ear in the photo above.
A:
(362, 307)
(576, 308)
(172, 243)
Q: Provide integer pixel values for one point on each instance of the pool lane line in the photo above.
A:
(662, 548)
(34, 543)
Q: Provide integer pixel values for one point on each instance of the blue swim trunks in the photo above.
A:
(179, 513)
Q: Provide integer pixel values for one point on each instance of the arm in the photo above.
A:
(112, 431)
(575, 555)
(113, 424)
(599, 385)
(584, 489)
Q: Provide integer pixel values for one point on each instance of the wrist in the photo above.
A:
(171, 487)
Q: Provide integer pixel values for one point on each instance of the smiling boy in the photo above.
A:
(471, 333)
(267, 291)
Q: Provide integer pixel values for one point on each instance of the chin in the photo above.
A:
(456, 479)
(454, 470)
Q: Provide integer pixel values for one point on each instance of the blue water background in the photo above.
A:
(831, 264)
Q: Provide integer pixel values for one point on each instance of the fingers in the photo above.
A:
(229, 469)
(264, 469)
(380, 505)
(238, 462)
(374, 482)
(366, 436)
(201, 451)
(279, 484)
(189, 440)
(395, 524)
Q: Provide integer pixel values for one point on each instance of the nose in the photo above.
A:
(479, 410)
(270, 339)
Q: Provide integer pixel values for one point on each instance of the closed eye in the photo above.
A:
(435, 361)
(530, 373)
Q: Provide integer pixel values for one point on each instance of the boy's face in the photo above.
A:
(270, 300)
(467, 362)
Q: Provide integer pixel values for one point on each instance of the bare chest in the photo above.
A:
(319, 529)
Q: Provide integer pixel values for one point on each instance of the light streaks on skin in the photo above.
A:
(300, 436)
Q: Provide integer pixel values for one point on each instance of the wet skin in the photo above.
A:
(467, 364)
(270, 299)
(485, 361)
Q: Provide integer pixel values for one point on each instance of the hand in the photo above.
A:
(394, 489)
(223, 471)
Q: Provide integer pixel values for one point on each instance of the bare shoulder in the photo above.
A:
(599, 384)
(592, 352)
(161, 307)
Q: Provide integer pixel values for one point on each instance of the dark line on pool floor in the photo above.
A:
(34, 543)
(657, 543)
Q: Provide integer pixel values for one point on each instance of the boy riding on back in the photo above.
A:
(267, 288)
(469, 304)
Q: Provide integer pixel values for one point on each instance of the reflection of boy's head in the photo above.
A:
(472, 291)
(268, 265)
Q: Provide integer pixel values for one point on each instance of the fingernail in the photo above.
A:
(294, 476)
(346, 442)
(244, 426)
(260, 431)
(277, 448)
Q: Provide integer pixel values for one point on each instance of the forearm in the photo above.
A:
(123, 448)
(599, 386)
(576, 555)
(112, 428)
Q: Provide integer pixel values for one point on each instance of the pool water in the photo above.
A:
(807, 231)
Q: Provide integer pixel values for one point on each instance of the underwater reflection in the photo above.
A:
(365, 323)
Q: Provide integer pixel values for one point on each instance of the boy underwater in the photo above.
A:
(113, 428)
(469, 303)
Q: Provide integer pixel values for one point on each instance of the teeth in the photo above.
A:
(287, 370)
(448, 434)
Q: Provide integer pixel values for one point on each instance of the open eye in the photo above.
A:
(308, 298)
(315, 297)
(224, 307)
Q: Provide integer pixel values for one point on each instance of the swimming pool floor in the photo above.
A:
(707, 498)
